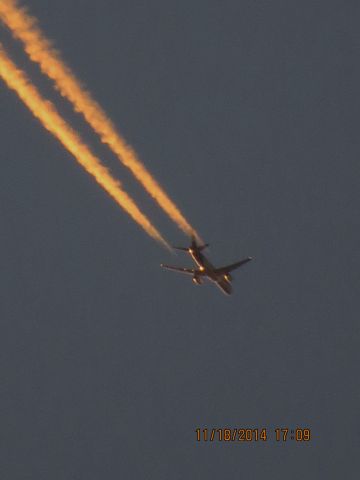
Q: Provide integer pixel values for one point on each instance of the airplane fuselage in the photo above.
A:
(220, 276)
(207, 269)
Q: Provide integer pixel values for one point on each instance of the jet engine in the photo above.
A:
(197, 280)
(228, 277)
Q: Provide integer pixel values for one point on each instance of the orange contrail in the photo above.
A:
(25, 28)
(47, 114)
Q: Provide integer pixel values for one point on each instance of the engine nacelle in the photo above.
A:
(197, 280)
(228, 277)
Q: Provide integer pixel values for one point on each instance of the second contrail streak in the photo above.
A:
(25, 28)
(47, 114)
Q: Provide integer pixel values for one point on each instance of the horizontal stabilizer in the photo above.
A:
(181, 248)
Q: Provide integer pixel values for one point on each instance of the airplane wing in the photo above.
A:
(232, 266)
(188, 271)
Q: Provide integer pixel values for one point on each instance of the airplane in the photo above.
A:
(220, 276)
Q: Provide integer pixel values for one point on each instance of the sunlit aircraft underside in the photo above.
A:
(220, 276)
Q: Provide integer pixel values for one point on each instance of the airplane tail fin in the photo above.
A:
(193, 245)
(187, 249)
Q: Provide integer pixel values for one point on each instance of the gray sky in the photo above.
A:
(248, 114)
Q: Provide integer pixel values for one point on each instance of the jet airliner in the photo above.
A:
(220, 276)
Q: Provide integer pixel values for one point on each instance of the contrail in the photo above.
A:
(25, 28)
(49, 117)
